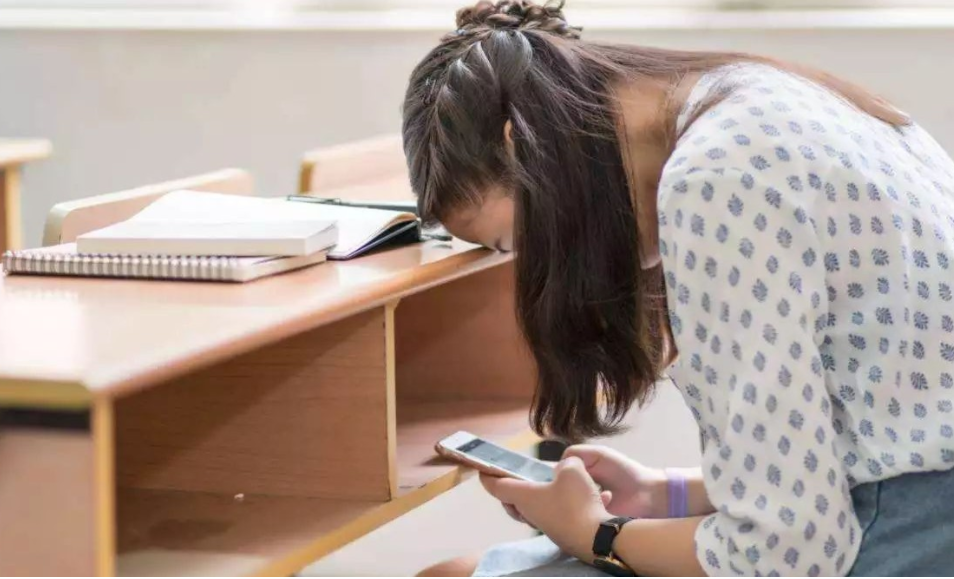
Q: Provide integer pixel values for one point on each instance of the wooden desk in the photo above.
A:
(189, 428)
(13, 154)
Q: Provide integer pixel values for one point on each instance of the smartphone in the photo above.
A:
(487, 457)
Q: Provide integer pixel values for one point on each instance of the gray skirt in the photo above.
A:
(907, 524)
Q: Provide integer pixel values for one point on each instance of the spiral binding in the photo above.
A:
(111, 265)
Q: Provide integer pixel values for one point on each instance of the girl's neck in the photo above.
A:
(647, 110)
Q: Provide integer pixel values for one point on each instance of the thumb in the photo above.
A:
(590, 454)
(607, 467)
(571, 471)
(506, 490)
(606, 497)
(569, 464)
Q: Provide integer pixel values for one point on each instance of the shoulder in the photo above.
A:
(756, 92)
(757, 108)
(768, 128)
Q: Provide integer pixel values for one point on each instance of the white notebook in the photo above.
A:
(64, 260)
(210, 224)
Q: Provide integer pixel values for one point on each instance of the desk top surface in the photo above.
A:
(16, 151)
(65, 341)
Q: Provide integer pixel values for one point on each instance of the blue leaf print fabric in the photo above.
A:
(806, 248)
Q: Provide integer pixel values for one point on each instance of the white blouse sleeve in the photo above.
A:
(745, 280)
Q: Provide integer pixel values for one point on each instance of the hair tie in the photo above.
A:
(678, 494)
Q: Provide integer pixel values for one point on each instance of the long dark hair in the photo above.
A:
(592, 317)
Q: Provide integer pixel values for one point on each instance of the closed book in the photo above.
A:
(212, 224)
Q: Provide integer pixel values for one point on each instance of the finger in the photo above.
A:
(507, 490)
(513, 512)
(488, 482)
(515, 515)
(606, 497)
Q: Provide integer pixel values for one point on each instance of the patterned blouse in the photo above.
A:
(806, 248)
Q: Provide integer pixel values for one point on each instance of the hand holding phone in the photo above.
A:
(489, 458)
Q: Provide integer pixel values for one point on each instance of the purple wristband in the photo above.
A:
(678, 495)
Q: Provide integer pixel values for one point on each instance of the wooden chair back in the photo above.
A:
(372, 169)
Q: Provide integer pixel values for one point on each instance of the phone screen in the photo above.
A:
(508, 460)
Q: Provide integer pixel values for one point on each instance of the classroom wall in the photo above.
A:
(127, 108)
(124, 108)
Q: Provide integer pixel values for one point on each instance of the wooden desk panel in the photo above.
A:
(56, 499)
(468, 324)
(114, 337)
(47, 499)
(306, 416)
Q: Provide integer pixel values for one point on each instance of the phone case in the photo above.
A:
(460, 457)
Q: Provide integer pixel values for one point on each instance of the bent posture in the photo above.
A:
(775, 240)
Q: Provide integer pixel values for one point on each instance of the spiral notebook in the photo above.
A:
(64, 260)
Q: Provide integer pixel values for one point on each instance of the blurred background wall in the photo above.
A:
(129, 104)
(125, 107)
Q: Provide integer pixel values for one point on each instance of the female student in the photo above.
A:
(800, 231)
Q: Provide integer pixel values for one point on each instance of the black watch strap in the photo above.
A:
(606, 534)
(604, 558)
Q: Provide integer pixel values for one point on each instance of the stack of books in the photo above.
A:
(191, 235)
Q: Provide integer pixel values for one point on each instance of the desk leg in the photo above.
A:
(56, 514)
(10, 233)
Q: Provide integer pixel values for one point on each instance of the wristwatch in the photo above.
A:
(604, 558)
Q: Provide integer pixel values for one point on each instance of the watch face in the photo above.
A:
(611, 567)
